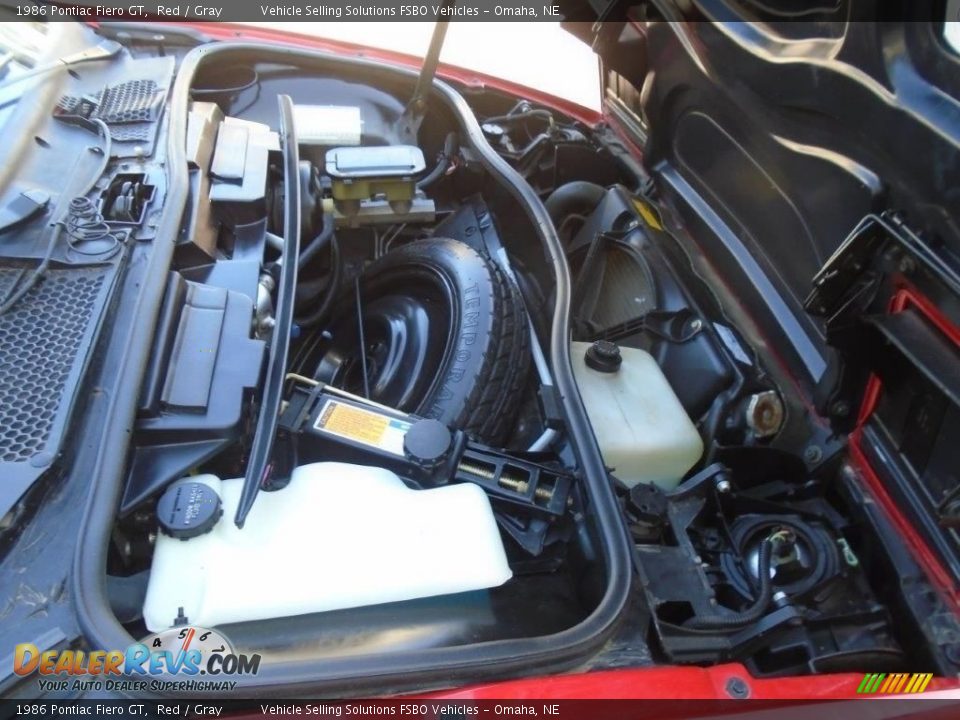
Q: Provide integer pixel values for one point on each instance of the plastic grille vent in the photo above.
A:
(133, 101)
(69, 103)
(627, 291)
(133, 132)
(40, 339)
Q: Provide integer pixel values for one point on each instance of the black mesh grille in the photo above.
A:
(132, 132)
(131, 109)
(133, 101)
(40, 342)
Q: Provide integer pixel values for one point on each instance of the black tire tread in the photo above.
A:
(490, 407)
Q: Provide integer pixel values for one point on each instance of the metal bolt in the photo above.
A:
(813, 454)
(696, 325)
(841, 408)
(737, 688)
(907, 265)
(723, 486)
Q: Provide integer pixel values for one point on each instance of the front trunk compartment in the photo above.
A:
(569, 582)
(413, 383)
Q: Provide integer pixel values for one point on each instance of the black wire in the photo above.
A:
(318, 243)
(85, 224)
(106, 150)
(333, 284)
(14, 295)
(362, 339)
(36, 275)
(450, 146)
(756, 610)
(237, 89)
(525, 115)
(13, 285)
(239, 111)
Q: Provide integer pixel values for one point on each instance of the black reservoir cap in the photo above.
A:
(188, 509)
(603, 356)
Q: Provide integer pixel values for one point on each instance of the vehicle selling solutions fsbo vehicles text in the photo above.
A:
(406, 11)
(340, 11)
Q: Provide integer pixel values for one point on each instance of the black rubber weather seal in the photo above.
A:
(258, 467)
(384, 673)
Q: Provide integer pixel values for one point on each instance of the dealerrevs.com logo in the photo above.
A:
(176, 660)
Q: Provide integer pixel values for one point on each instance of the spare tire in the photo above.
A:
(446, 337)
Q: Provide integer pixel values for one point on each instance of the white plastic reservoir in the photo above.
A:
(643, 431)
(337, 536)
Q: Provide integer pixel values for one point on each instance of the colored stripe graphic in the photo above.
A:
(901, 682)
(894, 683)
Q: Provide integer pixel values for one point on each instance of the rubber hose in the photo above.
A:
(450, 146)
(504, 119)
(318, 243)
(755, 611)
(316, 317)
(579, 197)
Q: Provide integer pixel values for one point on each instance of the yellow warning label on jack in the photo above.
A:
(362, 426)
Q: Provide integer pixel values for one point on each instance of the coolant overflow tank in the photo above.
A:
(338, 536)
(643, 431)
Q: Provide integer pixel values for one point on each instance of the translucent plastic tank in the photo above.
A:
(643, 431)
(337, 536)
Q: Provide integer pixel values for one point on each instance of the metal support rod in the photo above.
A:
(409, 123)
(363, 339)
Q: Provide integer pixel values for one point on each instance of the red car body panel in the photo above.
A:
(687, 683)
(906, 297)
